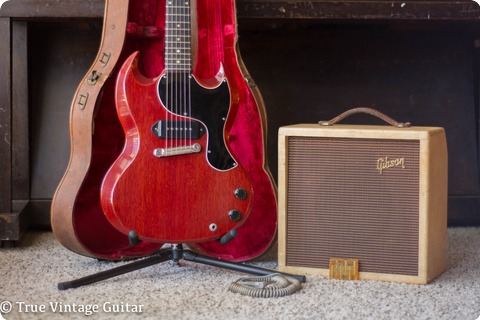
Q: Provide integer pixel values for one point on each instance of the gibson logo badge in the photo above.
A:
(385, 163)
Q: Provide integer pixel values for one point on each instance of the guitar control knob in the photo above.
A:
(234, 215)
(240, 194)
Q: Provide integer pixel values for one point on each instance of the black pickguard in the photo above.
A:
(209, 106)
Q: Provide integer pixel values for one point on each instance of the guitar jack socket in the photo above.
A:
(213, 227)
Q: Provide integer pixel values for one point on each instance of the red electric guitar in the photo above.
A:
(193, 165)
(176, 179)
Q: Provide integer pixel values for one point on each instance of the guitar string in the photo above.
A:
(175, 75)
(180, 75)
(172, 77)
(166, 71)
(168, 75)
(175, 57)
(188, 49)
(184, 56)
(185, 26)
(182, 59)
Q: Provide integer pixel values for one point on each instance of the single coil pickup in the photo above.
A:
(178, 129)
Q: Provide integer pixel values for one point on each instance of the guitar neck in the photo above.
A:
(178, 58)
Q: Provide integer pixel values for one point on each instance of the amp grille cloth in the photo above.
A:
(340, 206)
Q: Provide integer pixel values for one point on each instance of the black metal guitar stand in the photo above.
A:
(175, 253)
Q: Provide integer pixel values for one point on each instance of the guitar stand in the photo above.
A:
(175, 253)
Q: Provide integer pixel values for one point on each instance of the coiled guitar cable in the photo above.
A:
(271, 286)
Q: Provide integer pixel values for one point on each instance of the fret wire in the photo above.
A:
(179, 52)
(185, 53)
(180, 64)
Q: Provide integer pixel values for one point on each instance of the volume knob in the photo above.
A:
(234, 215)
(240, 193)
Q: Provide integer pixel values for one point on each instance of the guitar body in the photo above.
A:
(183, 196)
(100, 138)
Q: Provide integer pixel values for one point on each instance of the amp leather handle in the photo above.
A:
(369, 111)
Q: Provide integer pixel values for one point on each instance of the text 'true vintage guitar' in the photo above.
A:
(176, 179)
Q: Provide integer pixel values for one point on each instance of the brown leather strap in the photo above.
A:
(369, 111)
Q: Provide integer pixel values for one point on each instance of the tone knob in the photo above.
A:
(234, 215)
(240, 193)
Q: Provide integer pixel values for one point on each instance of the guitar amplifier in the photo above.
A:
(375, 195)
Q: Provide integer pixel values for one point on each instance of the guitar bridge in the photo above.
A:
(176, 151)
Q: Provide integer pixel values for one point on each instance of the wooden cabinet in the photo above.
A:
(416, 60)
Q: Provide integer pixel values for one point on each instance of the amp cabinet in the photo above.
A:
(374, 194)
